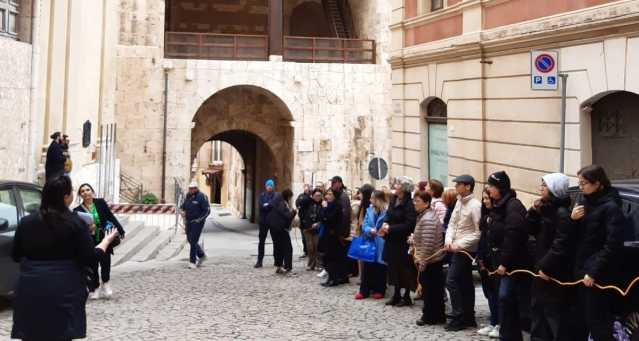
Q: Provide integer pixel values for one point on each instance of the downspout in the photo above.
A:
(166, 97)
(33, 101)
(483, 111)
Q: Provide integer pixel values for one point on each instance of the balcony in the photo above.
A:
(188, 45)
(329, 50)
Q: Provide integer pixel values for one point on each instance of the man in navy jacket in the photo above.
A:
(265, 207)
(195, 209)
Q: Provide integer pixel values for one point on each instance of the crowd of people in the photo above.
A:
(428, 240)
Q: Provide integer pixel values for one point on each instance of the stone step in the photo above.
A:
(132, 228)
(173, 248)
(151, 250)
(131, 246)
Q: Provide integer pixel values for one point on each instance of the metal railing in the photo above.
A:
(179, 199)
(329, 50)
(131, 190)
(191, 45)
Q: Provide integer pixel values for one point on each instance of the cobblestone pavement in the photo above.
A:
(227, 299)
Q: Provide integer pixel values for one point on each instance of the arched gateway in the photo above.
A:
(257, 123)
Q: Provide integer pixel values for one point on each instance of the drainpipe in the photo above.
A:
(562, 147)
(166, 97)
(32, 164)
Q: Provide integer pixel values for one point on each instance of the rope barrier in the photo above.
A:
(523, 271)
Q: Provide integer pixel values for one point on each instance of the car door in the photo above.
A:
(9, 215)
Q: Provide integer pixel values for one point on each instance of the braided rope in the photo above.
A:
(523, 271)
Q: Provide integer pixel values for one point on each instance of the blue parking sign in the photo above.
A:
(537, 80)
(552, 80)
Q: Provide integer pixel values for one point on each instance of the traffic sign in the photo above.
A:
(544, 70)
(378, 168)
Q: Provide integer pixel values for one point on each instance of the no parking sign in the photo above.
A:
(544, 70)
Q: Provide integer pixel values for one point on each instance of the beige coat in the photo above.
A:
(463, 228)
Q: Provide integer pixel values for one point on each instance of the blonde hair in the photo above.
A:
(449, 196)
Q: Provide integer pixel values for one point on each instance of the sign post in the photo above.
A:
(544, 70)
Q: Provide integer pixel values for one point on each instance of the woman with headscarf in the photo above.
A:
(398, 226)
(548, 218)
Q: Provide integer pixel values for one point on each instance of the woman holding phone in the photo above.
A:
(104, 221)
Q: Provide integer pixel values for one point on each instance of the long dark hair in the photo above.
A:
(594, 173)
(366, 191)
(80, 189)
(287, 194)
(52, 207)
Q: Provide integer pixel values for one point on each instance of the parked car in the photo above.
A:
(17, 200)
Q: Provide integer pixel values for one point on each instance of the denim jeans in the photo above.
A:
(490, 287)
(514, 307)
(262, 241)
(193, 232)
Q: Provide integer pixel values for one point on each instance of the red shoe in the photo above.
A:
(378, 296)
(359, 296)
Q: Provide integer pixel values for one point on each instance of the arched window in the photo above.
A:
(615, 133)
(434, 110)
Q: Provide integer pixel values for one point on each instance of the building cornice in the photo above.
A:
(589, 25)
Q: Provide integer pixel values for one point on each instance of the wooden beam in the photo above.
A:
(275, 26)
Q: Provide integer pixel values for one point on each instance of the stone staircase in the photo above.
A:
(145, 243)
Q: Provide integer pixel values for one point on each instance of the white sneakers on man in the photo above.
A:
(489, 331)
(95, 295)
(192, 265)
(322, 274)
(106, 291)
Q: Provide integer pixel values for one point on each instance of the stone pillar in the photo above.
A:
(275, 26)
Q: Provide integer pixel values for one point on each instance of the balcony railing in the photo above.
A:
(188, 45)
(329, 50)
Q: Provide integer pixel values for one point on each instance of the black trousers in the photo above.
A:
(104, 265)
(373, 279)
(282, 249)
(336, 260)
(549, 320)
(461, 288)
(597, 318)
(262, 241)
(432, 282)
(514, 307)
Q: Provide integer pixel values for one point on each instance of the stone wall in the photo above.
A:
(15, 83)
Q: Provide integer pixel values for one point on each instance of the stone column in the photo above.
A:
(275, 27)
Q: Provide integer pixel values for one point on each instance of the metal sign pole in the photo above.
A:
(564, 82)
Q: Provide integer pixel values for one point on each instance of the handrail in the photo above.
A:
(322, 49)
(193, 45)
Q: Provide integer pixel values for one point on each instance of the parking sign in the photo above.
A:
(544, 69)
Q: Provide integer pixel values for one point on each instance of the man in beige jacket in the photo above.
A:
(462, 234)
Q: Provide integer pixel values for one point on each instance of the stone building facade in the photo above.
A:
(296, 121)
(462, 98)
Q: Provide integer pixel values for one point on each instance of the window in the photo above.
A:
(436, 4)
(8, 208)
(9, 18)
(30, 201)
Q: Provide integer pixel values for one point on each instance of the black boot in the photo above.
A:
(258, 264)
(406, 300)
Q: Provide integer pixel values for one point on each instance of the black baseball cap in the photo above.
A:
(465, 179)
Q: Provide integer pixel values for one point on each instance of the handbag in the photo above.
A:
(364, 249)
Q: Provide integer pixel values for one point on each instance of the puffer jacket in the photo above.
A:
(507, 233)
(463, 228)
(428, 237)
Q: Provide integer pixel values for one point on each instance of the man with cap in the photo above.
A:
(54, 165)
(266, 197)
(462, 235)
(508, 243)
(195, 210)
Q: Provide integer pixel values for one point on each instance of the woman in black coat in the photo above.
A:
(104, 221)
(598, 238)
(399, 224)
(331, 242)
(547, 220)
(54, 247)
(279, 221)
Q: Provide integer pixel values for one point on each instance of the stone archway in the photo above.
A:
(614, 124)
(257, 123)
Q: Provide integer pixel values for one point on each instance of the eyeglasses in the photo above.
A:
(583, 183)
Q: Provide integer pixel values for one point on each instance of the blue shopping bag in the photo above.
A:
(364, 249)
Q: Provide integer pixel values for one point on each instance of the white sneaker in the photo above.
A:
(192, 265)
(322, 274)
(106, 290)
(95, 295)
(486, 330)
(495, 333)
